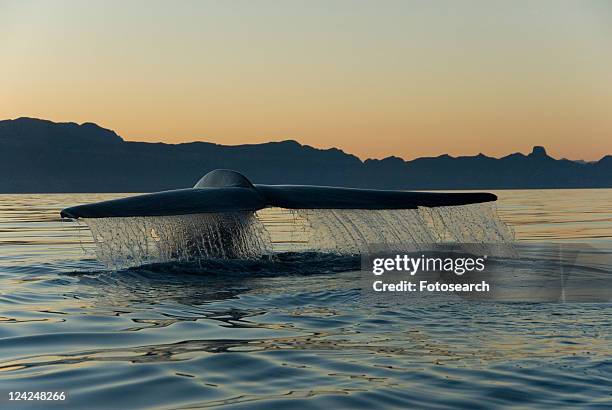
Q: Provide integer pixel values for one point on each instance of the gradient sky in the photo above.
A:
(375, 78)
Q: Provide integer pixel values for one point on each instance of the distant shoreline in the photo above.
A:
(420, 190)
(41, 156)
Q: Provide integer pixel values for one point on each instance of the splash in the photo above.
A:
(353, 231)
(134, 241)
(475, 223)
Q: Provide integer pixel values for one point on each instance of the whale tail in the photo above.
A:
(224, 190)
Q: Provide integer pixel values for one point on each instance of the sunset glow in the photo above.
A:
(403, 78)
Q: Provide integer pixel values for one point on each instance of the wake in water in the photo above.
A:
(134, 241)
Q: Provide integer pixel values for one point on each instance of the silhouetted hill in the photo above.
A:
(43, 156)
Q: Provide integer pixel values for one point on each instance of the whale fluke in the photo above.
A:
(223, 178)
(323, 197)
(224, 190)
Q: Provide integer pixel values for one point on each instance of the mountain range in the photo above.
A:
(43, 156)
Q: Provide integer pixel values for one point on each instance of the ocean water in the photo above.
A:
(293, 332)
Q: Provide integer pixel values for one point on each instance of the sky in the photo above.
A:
(374, 78)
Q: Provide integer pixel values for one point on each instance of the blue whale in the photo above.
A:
(224, 190)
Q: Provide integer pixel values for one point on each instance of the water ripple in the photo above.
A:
(292, 332)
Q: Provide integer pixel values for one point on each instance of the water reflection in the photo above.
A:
(289, 333)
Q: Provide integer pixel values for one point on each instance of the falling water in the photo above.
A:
(134, 241)
(139, 240)
(354, 230)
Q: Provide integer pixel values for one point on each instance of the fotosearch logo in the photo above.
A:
(413, 265)
(440, 273)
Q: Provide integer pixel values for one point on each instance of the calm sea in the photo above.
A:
(167, 338)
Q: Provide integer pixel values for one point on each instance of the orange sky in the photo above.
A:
(404, 78)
